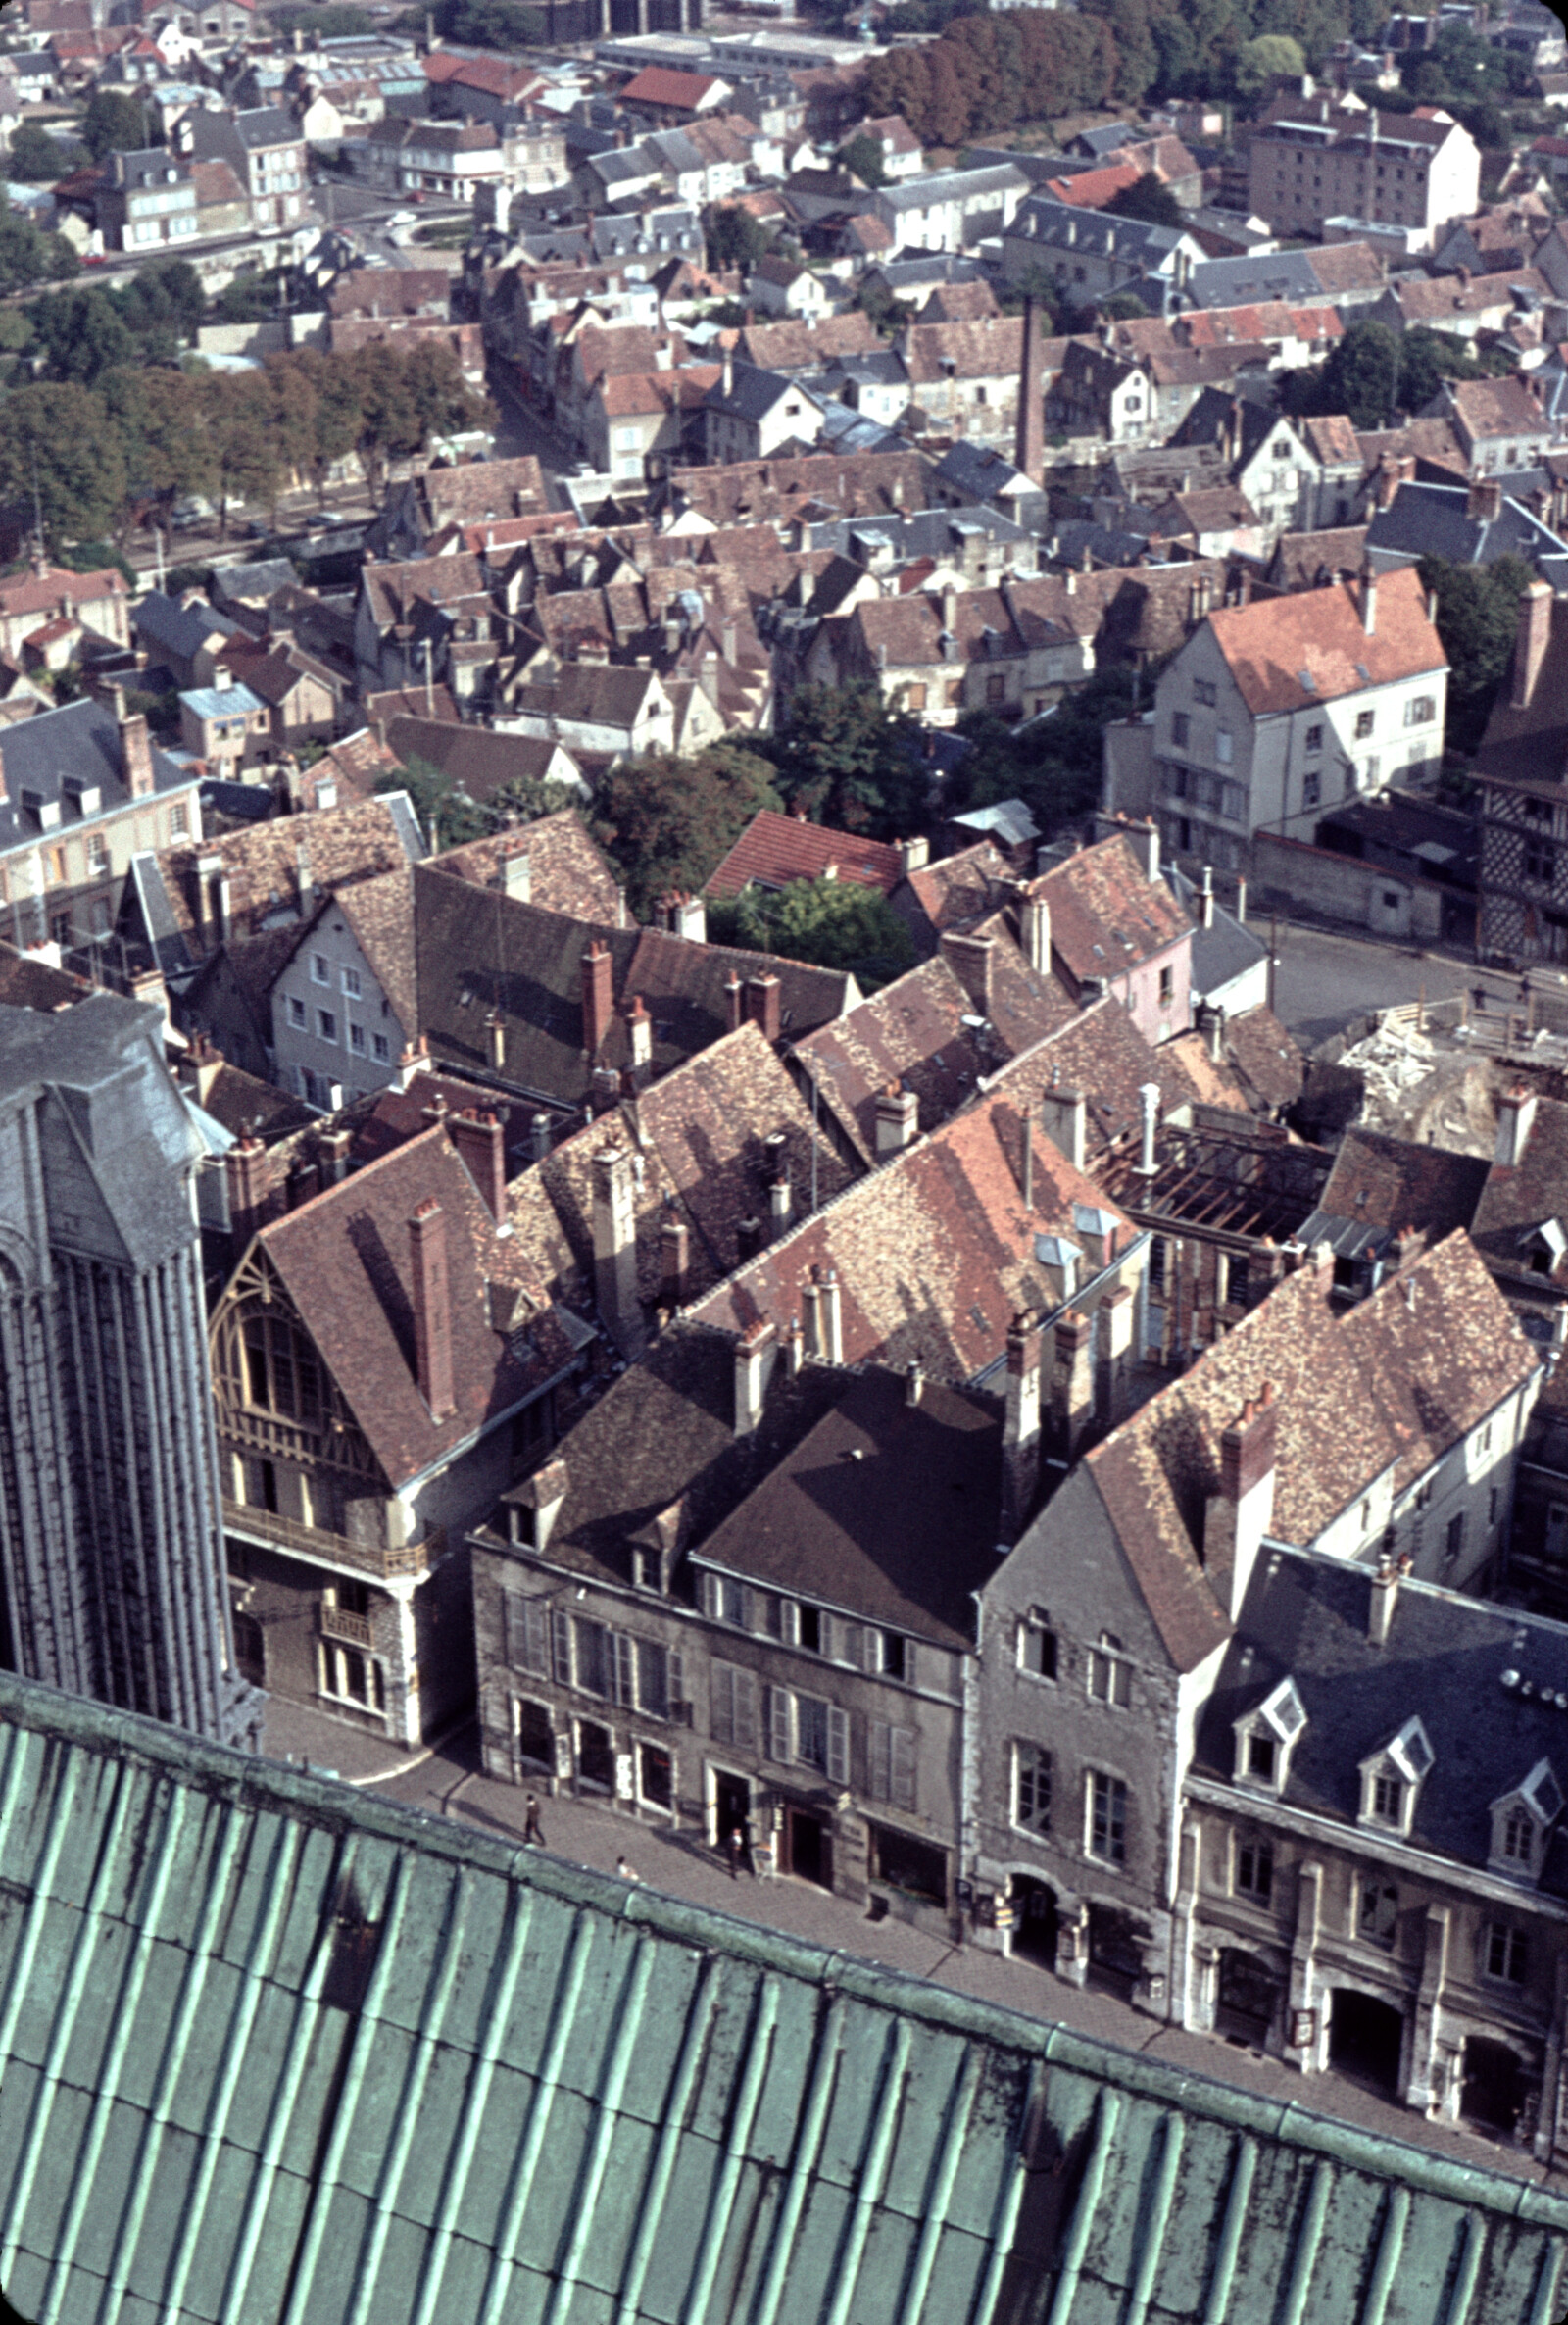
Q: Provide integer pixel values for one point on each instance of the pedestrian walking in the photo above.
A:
(624, 1872)
(748, 1857)
(533, 1832)
(733, 1843)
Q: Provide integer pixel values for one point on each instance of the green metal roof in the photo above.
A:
(270, 2053)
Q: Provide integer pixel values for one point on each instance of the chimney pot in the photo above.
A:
(897, 1119)
(1531, 641)
(615, 1246)
(480, 1141)
(597, 972)
(762, 995)
(734, 992)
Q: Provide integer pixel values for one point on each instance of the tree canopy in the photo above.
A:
(835, 923)
(116, 121)
(1271, 56)
(1477, 612)
(734, 237)
(666, 822)
(844, 759)
(1052, 764)
(37, 159)
(863, 154)
(1151, 200)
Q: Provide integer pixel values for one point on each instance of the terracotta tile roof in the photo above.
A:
(1390, 1184)
(989, 349)
(487, 488)
(1107, 916)
(635, 393)
(566, 870)
(1101, 1053)
(356, 765)
(907, 631)
(1389, 1385)
(658, 84)
(1341, 267)
(958, 889)
(411, 702)
(393, 590)
(57, 591)
(935, 1253)
(1224, 326)
(1307, 560)
(1144, 613)
(775, 849)
(390, 290)
(914, 1033)
(1215, 1083)
(526, 963)
(1520, 1196)
(1426, 301)
(344, 1261)
(1432, 441)
(794, 344)
(699, 1133)
(1093, 189)
(1270, 644)
(1218, 508)
(27, 983)
(756, 492)
(960, 302)
(336, 846)
(1266, 1058)
(1331, 439)
(1497, 408)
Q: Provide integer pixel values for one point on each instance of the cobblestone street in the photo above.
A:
(447, 1780)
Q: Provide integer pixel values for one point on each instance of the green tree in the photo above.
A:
(864, 155)
(37, 159)
(875, 299)
(848, 761)
(329, 19)
(83, 334)
(1151, 201)
(247, 457)
(1053, 763)
(161, 420)
(451, 819)
(59, 439)
(1361, 377)
(835, 923)
(735, 239)
(117, 122)
(1426, 360)
(666, 822)
(252, 297)
(1273, 56)
(28, 256)
(1478, 611)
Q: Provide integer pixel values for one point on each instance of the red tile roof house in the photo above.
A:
(1500, 424)
(100, 602)
(669, 99)
(1012, 650)
(1273, 712)
(383, 1358)
(1114, 927)
(774, 850)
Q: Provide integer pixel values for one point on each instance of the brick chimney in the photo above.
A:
(970, 960)
(897, 1119)
(1063, 1114)
(913, 855)
(1073, 1385)
(615, 1248)
(136, 757)
(598, 970)
(762, 1004)
(245, 1166)
(1530, 642)
(1034, 927)
(480, 1141)
(824, 1316)
(432, 1308)
(1483, 503)
(1516, 1116)
(1029, 453)
(1370, 599)
(1239, 1515)
(674, 1261)
(734, 1002)
(1020, 1433)
(755, 1354)
(640, 1033)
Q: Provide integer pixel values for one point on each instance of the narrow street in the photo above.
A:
(447, 1781)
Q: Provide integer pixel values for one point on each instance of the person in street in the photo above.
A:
(748, 1857)
(533, 1832)
(624, 1872)
(734, 1842)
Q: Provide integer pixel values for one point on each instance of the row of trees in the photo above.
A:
(1376, 374)
(90, 452)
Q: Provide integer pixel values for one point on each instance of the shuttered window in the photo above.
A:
(526, 1642)
(733, 1712)
(890, 1765)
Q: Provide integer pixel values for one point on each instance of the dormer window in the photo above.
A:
(1266, 1736)
(1522, 1823)
(1391, 1779)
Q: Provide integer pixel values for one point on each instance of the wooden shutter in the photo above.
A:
(514, 1630)
(880, 1762)
(623, 1673)
(909, 1662)
(780, 1724)
(838, 1746)
(902, 1794)
(536, 1644)
(746, 1710)
(721, 1703)
(677, 1682)
(561, 1645)
(711, 1597)
(851, 1644)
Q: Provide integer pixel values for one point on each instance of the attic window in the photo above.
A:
(1267, 1737)
(1391, 1779)
(1522, 1823)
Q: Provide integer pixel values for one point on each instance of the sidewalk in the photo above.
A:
(447, 1780)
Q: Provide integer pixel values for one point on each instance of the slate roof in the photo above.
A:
(1435, 520)
(79, 739)
(1385, 1387)
(1522, 1196)
(177, 628)
(479, 760)
(1270, 644)
(567, 871)
(1529, 745)
(1107, 916)
(886, 1509)
(343, 1258)
(754, 394)
(526, 963)
(1131, 241)
(775, 849)
(935, 1253)
(754, 492)
(1442, 1661)
(1101, 1053)
(1227, 949)
(699, 1133)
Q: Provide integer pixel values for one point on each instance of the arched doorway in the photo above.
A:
(250, 1649)
(1366, 2038)
(1034, 1934)
(1491, 2087)
(1249, 1999)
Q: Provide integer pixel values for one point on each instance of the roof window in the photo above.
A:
(1267, 1737)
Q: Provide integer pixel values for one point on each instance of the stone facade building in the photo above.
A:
(110, 1565)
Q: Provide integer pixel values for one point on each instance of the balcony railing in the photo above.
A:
(271, 1526)
(353, 1629)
